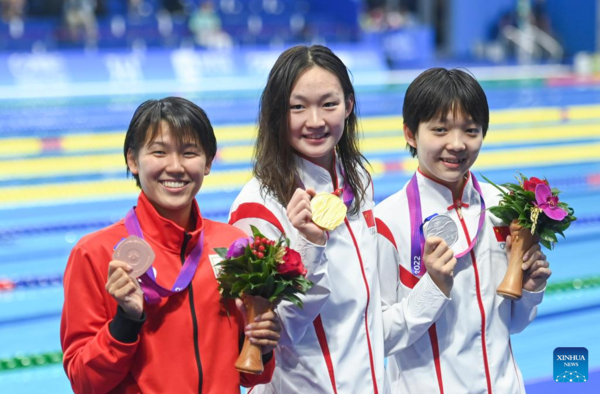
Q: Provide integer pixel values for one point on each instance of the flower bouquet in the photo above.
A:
(261, 272)
(532, 210)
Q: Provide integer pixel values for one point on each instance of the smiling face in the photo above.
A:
(447, 148)
(170, 173)
(318, 112)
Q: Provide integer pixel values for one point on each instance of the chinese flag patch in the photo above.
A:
(369, 218)
(501, 233)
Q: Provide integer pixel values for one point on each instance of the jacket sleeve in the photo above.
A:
(295, 321)
(524, 310)
(409, 306)
(94, 361)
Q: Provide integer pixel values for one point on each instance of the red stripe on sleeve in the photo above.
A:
(255, 210)
(407, 279)
(384, 230)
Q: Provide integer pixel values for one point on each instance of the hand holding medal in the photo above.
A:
(131, 259)
(301, 216)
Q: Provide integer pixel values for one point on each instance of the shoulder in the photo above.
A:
(252, 192)
(105, 238)
(224, 229)
(491, 195)
(391, 205)
(253, 203)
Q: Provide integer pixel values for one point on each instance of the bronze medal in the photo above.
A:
(137, 253)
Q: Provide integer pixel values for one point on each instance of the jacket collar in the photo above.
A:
(441, 192)
(317, 177)
(164, 233)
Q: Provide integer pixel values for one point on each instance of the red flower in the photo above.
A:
(532, 183)
(292, 264)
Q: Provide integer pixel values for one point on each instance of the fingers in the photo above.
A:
(541, 274)
(535, 248)
(119, 284)
(115, 264)
(433, 245)
(508, 246)
(533, 256)
(538, 268)
(265, 330)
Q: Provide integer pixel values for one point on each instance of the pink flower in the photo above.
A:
(548, 203)
(532, 183)
(238, 247)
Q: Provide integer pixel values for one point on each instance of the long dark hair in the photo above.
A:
(274, 164)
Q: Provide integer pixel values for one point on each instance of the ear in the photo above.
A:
(349, 105)
(132, 162)
(207, 168)
(410, 137)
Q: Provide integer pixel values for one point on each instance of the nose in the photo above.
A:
(456, 141)
(174, 163)
(315, 119)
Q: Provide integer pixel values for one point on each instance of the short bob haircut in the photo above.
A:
(436, 92)
(187, 123)
(274, 163)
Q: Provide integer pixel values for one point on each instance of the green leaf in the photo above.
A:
(256, 232)
(493, 184)
(222, 252)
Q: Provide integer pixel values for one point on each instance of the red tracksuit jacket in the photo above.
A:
(188, 344)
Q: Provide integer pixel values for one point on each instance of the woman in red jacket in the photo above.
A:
(169, 331)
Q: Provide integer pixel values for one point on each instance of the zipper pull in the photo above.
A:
(457, 204)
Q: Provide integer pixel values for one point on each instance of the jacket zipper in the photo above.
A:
(186, 239)
(479, 300)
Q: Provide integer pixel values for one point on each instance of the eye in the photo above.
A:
(296, 107)
(439, 129)
(158, 153)
(473, 131)
(190, 154)
(330, 105)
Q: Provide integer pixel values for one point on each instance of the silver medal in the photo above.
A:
(444, 227)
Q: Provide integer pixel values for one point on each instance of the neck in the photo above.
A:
(327, 163)
(182, 217)
(456, 188)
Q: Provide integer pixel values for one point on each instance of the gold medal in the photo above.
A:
(328, 210)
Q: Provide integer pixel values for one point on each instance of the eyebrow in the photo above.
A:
(185, 146)
(325, 96)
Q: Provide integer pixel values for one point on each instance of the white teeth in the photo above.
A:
(315, 136)
(173, 184)
(452, 161)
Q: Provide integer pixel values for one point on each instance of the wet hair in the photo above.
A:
(187, 123)
(274, 164)
(436, 92)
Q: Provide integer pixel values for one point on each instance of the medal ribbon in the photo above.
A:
(417, 239)
(153, 292)
(346, 192)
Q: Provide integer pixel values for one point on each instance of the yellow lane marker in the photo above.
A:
(14, 147)
(233, 180)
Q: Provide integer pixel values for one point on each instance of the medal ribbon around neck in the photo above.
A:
(153, 292)
(416, 225)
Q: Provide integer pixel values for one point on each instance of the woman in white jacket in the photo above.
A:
(307, 144)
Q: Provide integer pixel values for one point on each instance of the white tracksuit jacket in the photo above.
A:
(452, 345)
(335, 343)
